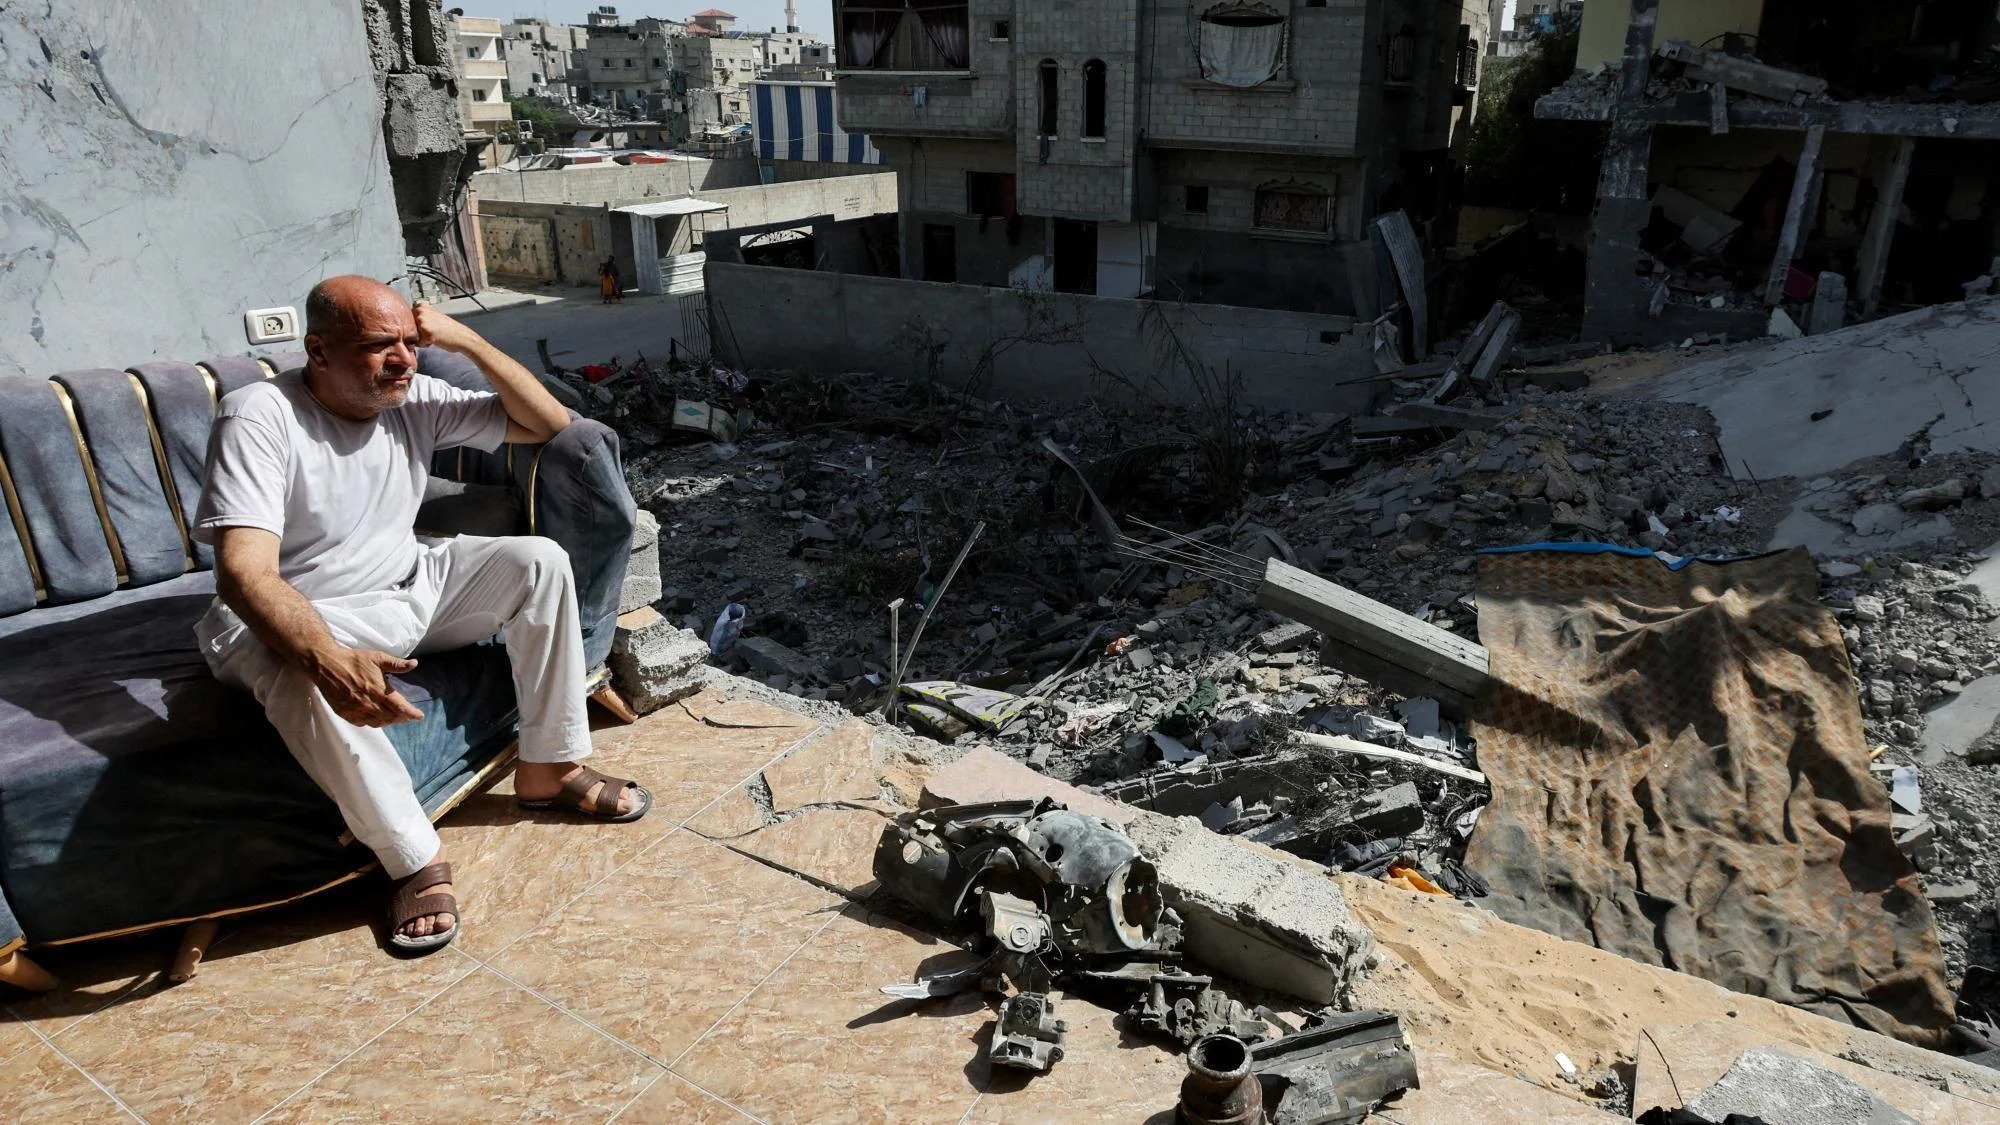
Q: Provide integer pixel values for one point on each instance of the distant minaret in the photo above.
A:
(792, 16)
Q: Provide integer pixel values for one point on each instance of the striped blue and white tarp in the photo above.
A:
(795, 121)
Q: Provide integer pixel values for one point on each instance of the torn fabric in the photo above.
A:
(1680, 776)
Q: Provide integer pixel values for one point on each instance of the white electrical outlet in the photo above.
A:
(271, 326)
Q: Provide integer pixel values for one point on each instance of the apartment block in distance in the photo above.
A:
(1229, 153)
(482, 80)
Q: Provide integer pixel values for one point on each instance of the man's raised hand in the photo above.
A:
(435, 329)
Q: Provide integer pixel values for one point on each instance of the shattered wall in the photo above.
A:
(1035, 345)
(169, 167)
(409, 43)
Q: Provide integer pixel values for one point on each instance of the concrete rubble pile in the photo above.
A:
(1138, 660)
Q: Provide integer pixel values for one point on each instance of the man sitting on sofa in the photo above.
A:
(322, 589)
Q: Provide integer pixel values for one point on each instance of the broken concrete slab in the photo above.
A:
(1251, 916)
(1748, 75)
(986, 775)
(1888, 378)
(1680, 1061)
(1784, 1089)
(773, 659)
(653, 661)
(1887, 529)
(1953, 728)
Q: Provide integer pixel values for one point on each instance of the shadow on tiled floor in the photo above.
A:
(642, 973)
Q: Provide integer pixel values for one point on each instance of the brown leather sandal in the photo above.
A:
(605, 807)
(406, 906)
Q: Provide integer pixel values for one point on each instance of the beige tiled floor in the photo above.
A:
(641, 972)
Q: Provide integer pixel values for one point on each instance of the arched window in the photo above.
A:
(1093, 98)
(1048, 102)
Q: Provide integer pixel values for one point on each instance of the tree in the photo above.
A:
(1513, 160)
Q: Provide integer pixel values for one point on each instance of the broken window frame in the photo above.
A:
(1300, 198)
(1228, 23)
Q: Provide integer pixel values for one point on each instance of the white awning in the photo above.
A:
(687, 206)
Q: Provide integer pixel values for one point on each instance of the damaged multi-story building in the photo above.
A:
(1817, 159)
(1228, 152)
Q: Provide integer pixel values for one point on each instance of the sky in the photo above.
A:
(815, 16)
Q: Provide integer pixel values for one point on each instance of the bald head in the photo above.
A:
(361, 346)
(337, 304)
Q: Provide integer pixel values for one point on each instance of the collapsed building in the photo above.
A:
(1809, 158)
(1228, 154)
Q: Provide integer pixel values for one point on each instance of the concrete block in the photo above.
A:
(652, 661)
(646, 532)
(773, 659)
(638, 592)
(642, 571)
(1253, 916)
(987, 775)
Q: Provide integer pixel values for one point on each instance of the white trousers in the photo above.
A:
(463, 590)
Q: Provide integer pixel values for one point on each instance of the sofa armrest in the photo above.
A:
(574, 493)
(572, 490)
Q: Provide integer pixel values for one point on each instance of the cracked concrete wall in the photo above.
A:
(412, 47)
(170, 166)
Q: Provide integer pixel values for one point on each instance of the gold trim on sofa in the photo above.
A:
(165, 470)
(21, 529)
(90, 478)
(214, 387)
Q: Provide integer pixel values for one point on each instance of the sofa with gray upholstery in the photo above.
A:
(136, 791)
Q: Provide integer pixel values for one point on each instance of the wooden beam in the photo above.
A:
(1792, 235)
(1882, 226)
(1403, 654)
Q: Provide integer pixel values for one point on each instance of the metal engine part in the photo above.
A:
(1220, 1088)
(1048, 891)
(1185, 1007)
(1029, 1036)
(1083, 873)
(1336, 1072)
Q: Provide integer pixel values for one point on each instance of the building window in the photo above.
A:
(1093, 98)
(1468, 58)
(534, 79)
(989, 194)
(1196, 200)
(1402, 54)
(628, 64)
(1049, 90)
(1295, 207)
(478, 93)
(1003, 30)
(472, 52)
(910, 35)
(1240, 44)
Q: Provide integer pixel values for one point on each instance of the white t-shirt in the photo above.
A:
(341, 496)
